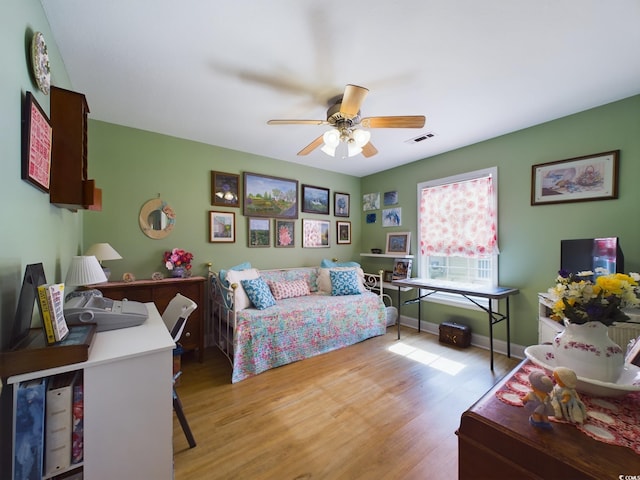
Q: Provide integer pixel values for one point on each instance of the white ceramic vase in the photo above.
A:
(587, 350)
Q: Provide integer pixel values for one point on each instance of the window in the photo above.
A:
(458, 232)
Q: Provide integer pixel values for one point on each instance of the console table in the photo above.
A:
(492, 293)
(161, 292)
(495, 440)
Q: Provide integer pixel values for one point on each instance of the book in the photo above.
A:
(77, 429)
(58, 422)
(52, 311)
(45, 315)
(28, 429)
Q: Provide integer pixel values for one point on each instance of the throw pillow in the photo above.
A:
(326, 263)
(259, 293)
(296, 288)
(223, 273)
(236, 276)
(344, 282)
(324, 280)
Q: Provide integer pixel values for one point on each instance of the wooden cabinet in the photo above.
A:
(161, 292)
(70, 186)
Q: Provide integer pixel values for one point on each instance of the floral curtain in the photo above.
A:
(459, 219)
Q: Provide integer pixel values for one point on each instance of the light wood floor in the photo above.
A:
(381, 409)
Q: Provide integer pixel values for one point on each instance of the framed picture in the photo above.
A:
(259, 232)
(315, 199)
(225, 189)
(315, 233)
(341, 204)
(36, 147)
(390, 198)
(401, 268)
(370, 201)
(580, 179)
(285, 234)
(222, 227)
(266, 196)
(398, 242)
(343, 230)
(387, 276)
(392, 217)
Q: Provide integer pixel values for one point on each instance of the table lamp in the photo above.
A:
(85, 270)
(103, 251)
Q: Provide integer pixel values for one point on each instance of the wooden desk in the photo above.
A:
(497, 293)
(161, 292)
(495, 441)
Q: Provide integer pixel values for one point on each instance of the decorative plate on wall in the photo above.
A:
(40, 62)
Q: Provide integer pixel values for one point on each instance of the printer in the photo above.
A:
(106, 313)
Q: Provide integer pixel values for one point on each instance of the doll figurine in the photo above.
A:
(539, 395)
(565, 400)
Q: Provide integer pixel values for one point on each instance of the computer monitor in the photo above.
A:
(591, 254)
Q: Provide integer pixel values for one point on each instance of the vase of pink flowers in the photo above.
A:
(178, 262)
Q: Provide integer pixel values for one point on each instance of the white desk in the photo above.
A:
(497, 293)
(128, 409)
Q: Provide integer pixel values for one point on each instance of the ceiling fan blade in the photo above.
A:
(312, 146)
(297, 122)
(352, 99)
(406, 121)
(369, 150)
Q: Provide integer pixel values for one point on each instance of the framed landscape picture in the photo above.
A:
(273, 197)
(222, 227)
(315, 233)
(225, 189)
(285, 234)
(341, 204)
(343, 230)
(259, 232)
(315, 199)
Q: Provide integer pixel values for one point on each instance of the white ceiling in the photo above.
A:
(215, 71)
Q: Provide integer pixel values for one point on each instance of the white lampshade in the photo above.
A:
(347, 144)
(361, 138)
(85, 270)
(103, 251)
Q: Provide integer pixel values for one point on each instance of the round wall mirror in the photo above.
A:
(157, 218)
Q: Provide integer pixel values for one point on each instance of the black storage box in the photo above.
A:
(456, 334)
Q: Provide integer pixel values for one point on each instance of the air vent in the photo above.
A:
(421, 138)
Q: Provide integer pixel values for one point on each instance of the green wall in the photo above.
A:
(133, 166)
(32, 230)
(529, 236)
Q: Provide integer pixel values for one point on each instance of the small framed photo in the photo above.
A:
(259, 232)
(315, 199)
(36, 145)
(225, 189)
(580, 179)
(390, 198)
(343, 230)
(341, 204)
(222, 227)
(315, 233)
(401, 268)
(398, 242)
(387, 276)
(285, 234)
(370, 201)
(392, 217)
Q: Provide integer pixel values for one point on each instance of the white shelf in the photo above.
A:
(385, 255)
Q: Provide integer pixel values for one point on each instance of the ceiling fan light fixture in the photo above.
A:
(331, 151)
(361, 137)
(354, 149)
(331, 138)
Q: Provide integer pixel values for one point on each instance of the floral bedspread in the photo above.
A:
(302, 327)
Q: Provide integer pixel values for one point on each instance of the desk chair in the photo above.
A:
(175, 318)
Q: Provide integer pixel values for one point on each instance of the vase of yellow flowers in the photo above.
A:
(587, 308)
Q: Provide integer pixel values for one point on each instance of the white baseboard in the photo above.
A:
(480, 341)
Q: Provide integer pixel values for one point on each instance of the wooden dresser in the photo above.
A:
(161, 292)
(495, 440)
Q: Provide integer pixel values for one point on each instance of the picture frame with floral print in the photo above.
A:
(315, 233)
(285, 234)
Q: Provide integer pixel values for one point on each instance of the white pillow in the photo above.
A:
(236, 276)
(324, 279)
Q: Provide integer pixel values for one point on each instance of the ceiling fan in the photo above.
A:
(344, 117)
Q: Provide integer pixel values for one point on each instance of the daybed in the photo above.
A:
(311, 310)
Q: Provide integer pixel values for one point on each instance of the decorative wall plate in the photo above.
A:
(40, 62)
